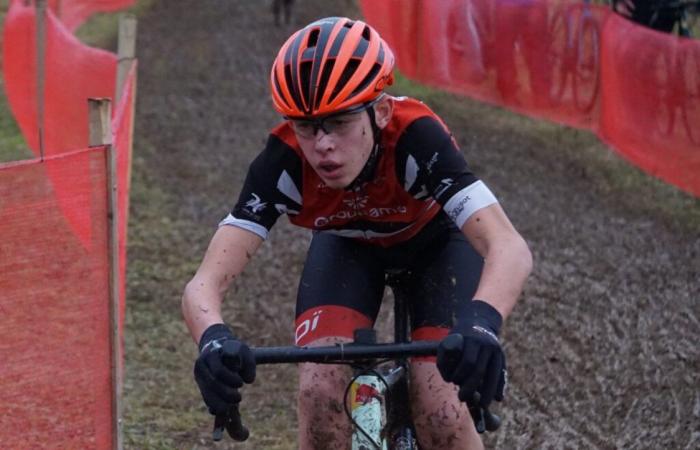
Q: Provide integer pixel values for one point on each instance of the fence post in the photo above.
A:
(100, 116)
(126, 55)
(126, 51)
(40, 6)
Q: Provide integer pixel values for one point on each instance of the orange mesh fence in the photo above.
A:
(122, 125)
(567, 61)
(74, 72)
(74, 12)
(54, 340)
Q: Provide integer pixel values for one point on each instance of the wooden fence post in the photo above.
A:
(100, 116)
(40, 7)
(126, 51)
(126, 56)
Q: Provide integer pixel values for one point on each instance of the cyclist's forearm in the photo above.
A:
(507, 265)
(201, 306)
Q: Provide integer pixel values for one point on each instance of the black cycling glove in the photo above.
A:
(480, 366)
(223, 365)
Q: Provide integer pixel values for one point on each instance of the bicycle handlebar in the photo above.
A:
(341, 353)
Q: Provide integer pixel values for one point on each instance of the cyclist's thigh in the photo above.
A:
(341, 289)
(446, 277)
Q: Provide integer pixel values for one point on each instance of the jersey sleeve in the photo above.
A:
(431, 165)
(271, 188)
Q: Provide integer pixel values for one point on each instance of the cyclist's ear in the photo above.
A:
(383, 110)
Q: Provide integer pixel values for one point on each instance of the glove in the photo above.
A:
(479, 367)
(223, 365)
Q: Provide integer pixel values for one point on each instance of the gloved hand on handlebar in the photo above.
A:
(480, 367)
(223, 365)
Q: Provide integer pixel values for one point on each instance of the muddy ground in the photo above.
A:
(602, 348)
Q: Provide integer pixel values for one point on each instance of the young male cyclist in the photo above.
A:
(383, 185)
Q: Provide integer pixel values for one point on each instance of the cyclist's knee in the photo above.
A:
(322, 420)
(320, 383)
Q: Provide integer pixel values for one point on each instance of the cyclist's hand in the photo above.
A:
(223, 365)
(479, 366)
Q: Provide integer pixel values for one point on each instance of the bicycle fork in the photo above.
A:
(368, 394)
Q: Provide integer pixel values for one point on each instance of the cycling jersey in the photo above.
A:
(420, 170)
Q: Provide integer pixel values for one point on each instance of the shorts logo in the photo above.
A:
(307, 326)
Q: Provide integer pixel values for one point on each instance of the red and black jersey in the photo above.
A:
(420, 170)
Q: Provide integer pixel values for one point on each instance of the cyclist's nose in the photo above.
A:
(323, 142)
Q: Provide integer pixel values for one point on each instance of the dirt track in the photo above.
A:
(602, 349)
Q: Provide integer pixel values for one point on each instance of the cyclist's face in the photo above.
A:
(338, 147)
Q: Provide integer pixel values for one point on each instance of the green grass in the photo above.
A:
(100, 31)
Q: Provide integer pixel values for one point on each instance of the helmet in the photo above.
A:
(329, 66)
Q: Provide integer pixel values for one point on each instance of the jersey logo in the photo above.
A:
(255, 205)
(444, 185)
(432, 162)
(356, 202)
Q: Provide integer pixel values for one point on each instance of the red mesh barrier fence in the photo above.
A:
(54, 340)
(567, 61)
(74, 72)
(74, 12)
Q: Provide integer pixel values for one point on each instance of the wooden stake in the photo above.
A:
(40, 69)
(100, 115)
(126, 51)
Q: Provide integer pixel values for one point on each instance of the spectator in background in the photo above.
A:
(660, 15)
(280, 7)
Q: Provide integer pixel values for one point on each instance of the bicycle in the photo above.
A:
(378, 388)
(677, 76)
(575, 53)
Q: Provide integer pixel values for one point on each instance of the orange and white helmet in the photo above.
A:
(330, 66)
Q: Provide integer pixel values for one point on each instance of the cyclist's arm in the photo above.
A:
(507, 258)
(227, 255)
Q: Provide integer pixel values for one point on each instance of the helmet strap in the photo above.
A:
(369, 169)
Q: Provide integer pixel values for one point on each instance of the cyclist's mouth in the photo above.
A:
(330, 170)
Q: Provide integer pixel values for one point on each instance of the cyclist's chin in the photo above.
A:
(336, 179)
(336, 183)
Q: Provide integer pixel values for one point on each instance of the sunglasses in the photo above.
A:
(338, 123)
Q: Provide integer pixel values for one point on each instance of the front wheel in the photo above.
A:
(404, 440)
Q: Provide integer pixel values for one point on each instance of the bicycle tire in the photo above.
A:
(586, 81)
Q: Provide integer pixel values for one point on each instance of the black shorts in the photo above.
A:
(342, 285)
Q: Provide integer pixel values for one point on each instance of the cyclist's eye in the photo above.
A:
(339, 124)
(303, 128)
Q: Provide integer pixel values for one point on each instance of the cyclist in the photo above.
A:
(383, 186)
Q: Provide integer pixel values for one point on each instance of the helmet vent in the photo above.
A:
(368, 79)
(366, 33)
(350, 69)
(323, 82)
(289, 80)
(313, 38)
